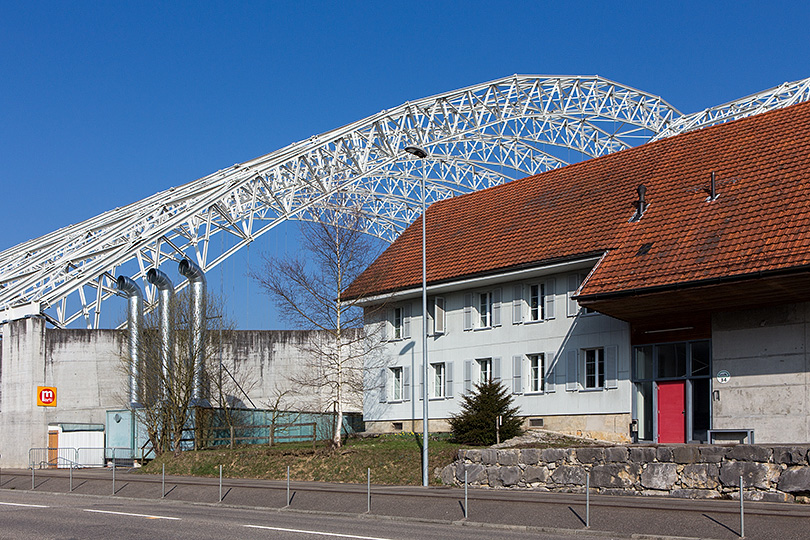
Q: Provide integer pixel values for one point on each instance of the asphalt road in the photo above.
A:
(396, 511)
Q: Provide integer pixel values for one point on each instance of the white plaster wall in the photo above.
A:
(557, 336)
(765, 351)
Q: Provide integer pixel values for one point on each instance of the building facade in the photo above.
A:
(656, 294)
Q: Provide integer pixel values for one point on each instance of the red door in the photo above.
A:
(672, 412)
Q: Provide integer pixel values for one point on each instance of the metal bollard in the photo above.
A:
(588, 500)
(113, 472)
(465, 493)
(288, 487)
(368, 491)
(220, 483)
(742, 514)
(32, 478)
(163, 481)
(71, 478)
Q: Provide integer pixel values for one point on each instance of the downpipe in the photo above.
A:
(134, 323)
(196, 278)
(165, 293)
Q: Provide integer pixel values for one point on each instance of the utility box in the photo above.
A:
(127, 440)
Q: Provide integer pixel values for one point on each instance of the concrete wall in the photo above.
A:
(765, 352)
(591, 413)
(85, 366)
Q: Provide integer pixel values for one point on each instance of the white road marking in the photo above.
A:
(148, 516)
(316, 532)
(27, 505)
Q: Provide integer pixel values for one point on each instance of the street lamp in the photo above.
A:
(421, 154)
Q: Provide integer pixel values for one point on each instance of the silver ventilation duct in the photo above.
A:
(196, 278)
(166, 291)
(134, 323)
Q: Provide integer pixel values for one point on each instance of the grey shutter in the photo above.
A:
(406, 321)
(389, 313)
(517, 304)
(421, 381)
(467, 376)
(438, 315)
(406, 383)
(573, 283)
(448, 379)
(496, 369)
(611, 366)
(550, 371)
(571, 372)
(497, 294)
(383, 385)
(551, 291)
(517, 371)
(559, 372)
(468, 299)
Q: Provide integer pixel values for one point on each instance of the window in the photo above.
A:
(536, 295)
(396, 384)
(485, 310)
(396, 323)
(537, 379)
(594, 368)
(484, 370)
(438, 315)
(438, 379)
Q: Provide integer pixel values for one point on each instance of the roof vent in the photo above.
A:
(712, 189)
(641, 204)
(644, 249)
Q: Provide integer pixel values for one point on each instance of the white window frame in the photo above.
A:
(397, 383)
(397, 323)
(484, 309)
(537, 375)
(439, 316)
(484, 366)
(438, 372)
(537, 312)
(593, 356)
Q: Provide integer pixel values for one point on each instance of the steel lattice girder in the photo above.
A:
(476, 137)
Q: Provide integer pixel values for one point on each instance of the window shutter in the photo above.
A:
(438, 312)
(550, 372)
(559, 372)
(383, 385)
(573, 306)
(517, 369)
(551, 291)
(467, 376)
(517, 304)
(421, 382)
(406, 383)
(496, 369)
(611, 366)
(406, 321)
(386, 331)
(497, 294)
(448, 379)
(571, 382)
(468, 316)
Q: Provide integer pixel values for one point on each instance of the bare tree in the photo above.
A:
(167, 392)
(310, 294)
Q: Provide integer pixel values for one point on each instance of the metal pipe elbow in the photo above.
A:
(159, 279)
(128, 287)
(190, 270)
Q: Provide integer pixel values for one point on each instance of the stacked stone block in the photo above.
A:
(770, 473)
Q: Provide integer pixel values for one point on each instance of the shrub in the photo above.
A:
(475, 424)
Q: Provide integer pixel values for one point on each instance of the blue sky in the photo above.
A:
(104, 103)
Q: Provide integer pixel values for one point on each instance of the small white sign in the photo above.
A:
(723, 376)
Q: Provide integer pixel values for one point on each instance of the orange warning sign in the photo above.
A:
(46, 396)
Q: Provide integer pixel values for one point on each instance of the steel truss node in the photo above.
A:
(476, 137)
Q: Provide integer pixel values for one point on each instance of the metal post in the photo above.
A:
(113, 472)
(71, 478)
(742, 514)
(588, 500)
(163, 481)
(288, 487)
(465, 493)
(368, 490)
(32, 477)
(220, 483)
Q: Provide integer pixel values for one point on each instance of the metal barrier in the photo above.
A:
(67, 457)
(52, 458)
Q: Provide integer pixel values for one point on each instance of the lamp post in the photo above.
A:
(421, 154)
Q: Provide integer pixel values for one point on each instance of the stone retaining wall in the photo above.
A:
(770, 473)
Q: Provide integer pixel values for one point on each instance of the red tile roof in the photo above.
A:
(759, 222)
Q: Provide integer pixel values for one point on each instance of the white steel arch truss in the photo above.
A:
(476, 137)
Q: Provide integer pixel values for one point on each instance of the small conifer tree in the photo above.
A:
(476, 423)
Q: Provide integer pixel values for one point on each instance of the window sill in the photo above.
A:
(599, 389)
(438, 398)
(537, 393)
(535, 322)
(482, 328)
